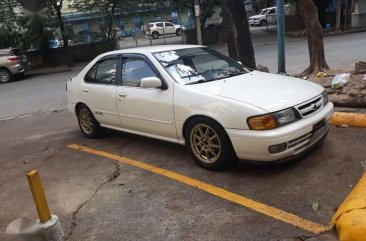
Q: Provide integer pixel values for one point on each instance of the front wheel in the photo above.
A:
(209, 144)
(178, 32)
(87, 122)
(263, 23)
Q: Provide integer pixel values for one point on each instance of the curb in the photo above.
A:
(48, 72)
(350, 218)
(349, 119)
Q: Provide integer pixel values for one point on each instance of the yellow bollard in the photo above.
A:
(39, 196)
(350, 218)
(350, 119)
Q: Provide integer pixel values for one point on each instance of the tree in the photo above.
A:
(314, 35)
(10, 24)
(237, 34)
(57, 7)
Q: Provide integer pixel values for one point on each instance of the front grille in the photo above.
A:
(310, 107)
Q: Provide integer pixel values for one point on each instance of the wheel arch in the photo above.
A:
(189, 119)
(78, 105)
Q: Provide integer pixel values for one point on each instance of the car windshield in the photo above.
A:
(264, 12)
(198, 65)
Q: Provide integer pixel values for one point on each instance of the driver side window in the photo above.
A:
(134, 69)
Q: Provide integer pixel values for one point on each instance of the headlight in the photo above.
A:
(273, 120)
(325, 98)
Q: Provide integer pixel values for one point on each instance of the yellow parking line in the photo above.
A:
(241, 200)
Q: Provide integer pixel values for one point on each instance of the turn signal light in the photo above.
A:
(264, 122)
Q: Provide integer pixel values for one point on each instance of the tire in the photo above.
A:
(5, 76)
(155, 35)
(263, 23)
(87, 122)
(178, 32)
(213, 153)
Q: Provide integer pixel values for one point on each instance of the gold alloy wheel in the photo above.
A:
(86, 121)
(205, 143)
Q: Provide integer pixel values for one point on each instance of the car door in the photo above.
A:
(272, 16)
(144, 110)
(99, 90)
(159, 28)
(169, 28)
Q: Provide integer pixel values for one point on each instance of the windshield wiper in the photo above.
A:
(199, 81)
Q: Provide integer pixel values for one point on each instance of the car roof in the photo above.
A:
(154, 49)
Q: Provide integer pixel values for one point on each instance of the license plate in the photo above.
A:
(319, 125)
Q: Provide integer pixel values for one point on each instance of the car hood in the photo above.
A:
(270, 92)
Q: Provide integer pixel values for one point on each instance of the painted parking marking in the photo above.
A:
(267, 210)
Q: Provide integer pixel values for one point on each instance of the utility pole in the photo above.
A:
(281, 36)
(197, 13)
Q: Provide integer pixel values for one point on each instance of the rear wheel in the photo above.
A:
(155, 35)
(87, 122)
(5, 76)
(208, 143)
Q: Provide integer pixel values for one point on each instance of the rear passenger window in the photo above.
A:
(104, 72)
(159, 25)
(90, 76)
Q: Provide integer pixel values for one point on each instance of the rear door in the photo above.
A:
(99, 90)
(169, 28)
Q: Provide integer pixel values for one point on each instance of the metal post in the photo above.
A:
(198, 21)
(338, 16)
(281, 36)
(162, 22)
(39, 197)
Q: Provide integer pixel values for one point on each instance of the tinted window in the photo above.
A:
(272, 11)
(90, 76)
(159, 25)
(106, 72)
(134, 69)
(169, 24)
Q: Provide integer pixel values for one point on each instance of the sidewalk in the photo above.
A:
(56, 69)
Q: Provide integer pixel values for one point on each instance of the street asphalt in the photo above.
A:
(97, 198)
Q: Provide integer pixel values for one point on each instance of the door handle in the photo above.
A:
(123, 95)
(85, 90)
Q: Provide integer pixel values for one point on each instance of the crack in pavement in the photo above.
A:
(74, 218)
(33, 114)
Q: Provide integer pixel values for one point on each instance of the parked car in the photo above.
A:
(266, 16)
(195, 96)
(12, 63)
(156, 29)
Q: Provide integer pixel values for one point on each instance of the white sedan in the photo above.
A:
(196, 96)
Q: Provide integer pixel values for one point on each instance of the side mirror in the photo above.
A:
(150, 83)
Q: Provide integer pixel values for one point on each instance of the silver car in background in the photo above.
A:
(12, 63)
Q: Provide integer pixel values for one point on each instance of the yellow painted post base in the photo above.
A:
(350, 218)
(350, 119)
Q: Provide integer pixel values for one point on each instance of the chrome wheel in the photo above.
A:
(86, 120)
(205, 143)
(4, 77)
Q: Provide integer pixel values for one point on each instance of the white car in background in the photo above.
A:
(266, 16)
(156, 29)
(196, 96)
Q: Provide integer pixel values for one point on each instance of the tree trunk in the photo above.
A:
(243, 36)
(110, 27)
(62, 26)
(314, 34)
(238, 36)
(228, 30)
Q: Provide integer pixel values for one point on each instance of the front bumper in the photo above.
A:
(298, 137)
